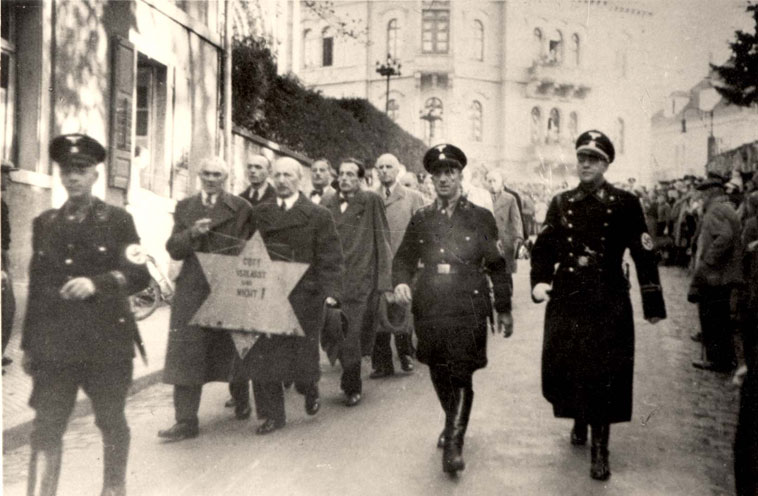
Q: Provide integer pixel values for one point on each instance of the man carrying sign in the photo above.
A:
(212, 221)
(294, 230)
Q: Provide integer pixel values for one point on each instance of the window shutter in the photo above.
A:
(122, 105)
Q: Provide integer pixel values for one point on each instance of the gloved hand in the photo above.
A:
(541, 291)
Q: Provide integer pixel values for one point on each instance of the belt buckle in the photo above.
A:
(443, 268)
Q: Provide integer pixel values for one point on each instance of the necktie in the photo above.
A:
(283, 206)
(316, 192)
(387, 192)
(254, 196)
(210, 200)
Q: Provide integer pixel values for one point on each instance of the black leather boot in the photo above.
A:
(44, 471)
(115, 458)
(579, 433)
(600, 468)
(444, 390)
(452, 456)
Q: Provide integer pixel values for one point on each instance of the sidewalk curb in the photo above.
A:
(18, 435)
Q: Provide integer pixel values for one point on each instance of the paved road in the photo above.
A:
(677, 444)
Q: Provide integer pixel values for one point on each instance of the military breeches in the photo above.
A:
(55, 387)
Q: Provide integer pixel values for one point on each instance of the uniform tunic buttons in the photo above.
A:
(442, 250)
(476, 291)
(570, 212)
(571, 254)
(602, 238)
(571, 225)
(101, 248)
(121, 320)
(68, 261)
(571, 269)
(468, 238)
(70, 246)
(609, 210)
(569, 239)
(605, 224)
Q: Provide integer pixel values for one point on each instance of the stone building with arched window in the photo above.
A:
(512, 83)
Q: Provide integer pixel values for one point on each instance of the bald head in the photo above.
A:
(388, 168)
(286, 175)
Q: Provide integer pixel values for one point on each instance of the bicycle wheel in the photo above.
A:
(145, 302)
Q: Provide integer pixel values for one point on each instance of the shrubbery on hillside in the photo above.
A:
(281, 109)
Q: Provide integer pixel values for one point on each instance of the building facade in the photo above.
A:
(690, 121)
(512, 82)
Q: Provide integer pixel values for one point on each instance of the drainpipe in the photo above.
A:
(228, 83)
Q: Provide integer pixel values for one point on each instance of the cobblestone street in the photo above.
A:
(679, 442)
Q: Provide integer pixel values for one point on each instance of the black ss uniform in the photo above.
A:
(87, 343)
(588, 348)
(451, 300)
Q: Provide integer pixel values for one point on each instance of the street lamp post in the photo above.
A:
(390, 68)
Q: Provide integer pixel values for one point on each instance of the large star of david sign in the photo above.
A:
(249, 293)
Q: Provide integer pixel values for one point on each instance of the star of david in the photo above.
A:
(249, 294)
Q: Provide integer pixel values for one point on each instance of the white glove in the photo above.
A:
(541, 291)
(403, 294)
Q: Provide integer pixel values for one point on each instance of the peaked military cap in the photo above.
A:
(76, 150)
(596, 143)
(444, 155)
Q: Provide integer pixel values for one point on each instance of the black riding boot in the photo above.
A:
(115, 458)
(579, 433)
(457, 422)
(45, 467)
(600, 468)
(444, 390)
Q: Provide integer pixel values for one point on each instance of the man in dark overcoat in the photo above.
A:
(455, 242)
(212, 221)
(364, 235)
(718, 271)
(258, 191)
(79, 330)
(588, 347)
(294, 229)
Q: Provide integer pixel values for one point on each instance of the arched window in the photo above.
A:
(620, 135)
(478, 41)
(539, 43)
(475, 115)
(573, 126)
(575, 50)
(553, 127)
(393, 109)
(536, 125)
(393, 31)
(327, 47)
(555, 47)
(307, 53)
(432, 116)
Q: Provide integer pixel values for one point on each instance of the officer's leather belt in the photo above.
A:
(449, 269)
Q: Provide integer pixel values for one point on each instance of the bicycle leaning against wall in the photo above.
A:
(160, 290)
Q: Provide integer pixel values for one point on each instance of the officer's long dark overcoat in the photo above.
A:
(450, 297)
(197, 355)
(305, 233)
(102, 246)
(588, 348)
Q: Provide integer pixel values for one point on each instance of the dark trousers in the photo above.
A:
(187, 403)
(54, 391)
(351, 352)
(269, 400)
(446, 380)
(716, 326)
(240, 391)
(381, 357)
(8, 311)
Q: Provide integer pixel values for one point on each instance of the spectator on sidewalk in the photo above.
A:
(718, 270)
(211, 221)
(79, 331)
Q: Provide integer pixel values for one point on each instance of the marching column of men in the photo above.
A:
(449, 262)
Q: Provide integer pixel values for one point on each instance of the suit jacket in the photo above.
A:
(305, 233)
(102, 327)
(509, 227)
(520, 207)
(718, 259)
(268, 195)
(364, 236)
(196, 355)
(399, 208)
(328, 192)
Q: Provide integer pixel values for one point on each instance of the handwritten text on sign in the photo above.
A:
(250, 292)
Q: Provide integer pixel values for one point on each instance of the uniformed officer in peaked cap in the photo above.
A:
(456, 243)
(588, 348)
(79, 330)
